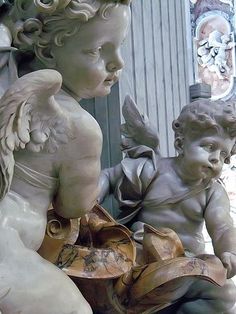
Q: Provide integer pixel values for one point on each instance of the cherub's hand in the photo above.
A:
(229, 261)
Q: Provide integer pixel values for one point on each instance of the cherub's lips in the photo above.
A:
(207, 169)
(211, 170)
(110, 80)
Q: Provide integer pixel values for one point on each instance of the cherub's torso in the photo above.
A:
(83, 127)
(41, 183)
(167, 203)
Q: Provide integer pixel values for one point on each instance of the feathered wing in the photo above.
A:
(137, 129)
(29, 96)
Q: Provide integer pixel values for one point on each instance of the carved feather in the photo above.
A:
(137, 129)
(29, 117)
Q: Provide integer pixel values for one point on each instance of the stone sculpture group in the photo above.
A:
(52, 54)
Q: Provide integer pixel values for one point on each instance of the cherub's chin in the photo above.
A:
(101, 91)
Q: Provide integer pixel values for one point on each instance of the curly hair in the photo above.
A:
(204, 115)
(40, 23)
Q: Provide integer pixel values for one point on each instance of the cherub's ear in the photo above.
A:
(46, 56)
(179, 143)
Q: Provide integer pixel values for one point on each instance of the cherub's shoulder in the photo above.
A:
(217, 187)
(85, 138)
(152, 169)
(81, 121)
(85, 127)
(216, 190)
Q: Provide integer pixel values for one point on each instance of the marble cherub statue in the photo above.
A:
(49, 146)
(182, 192)
(212, 53)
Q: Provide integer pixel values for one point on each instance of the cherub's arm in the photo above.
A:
(108, 180)
(79, 174)
(78, 188)
(220, 227)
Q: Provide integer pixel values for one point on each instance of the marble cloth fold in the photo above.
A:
(132, 167)
(35, 178)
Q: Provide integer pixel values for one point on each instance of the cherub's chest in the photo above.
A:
(167, 197)
(164, 186)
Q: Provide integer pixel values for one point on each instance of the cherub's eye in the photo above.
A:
(94, 52)
(209, 147)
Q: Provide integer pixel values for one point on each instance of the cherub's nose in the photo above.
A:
(214, 160)
(214, 157)
(115, 64)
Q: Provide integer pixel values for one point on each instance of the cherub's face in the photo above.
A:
(90, 61)
(203, 157)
